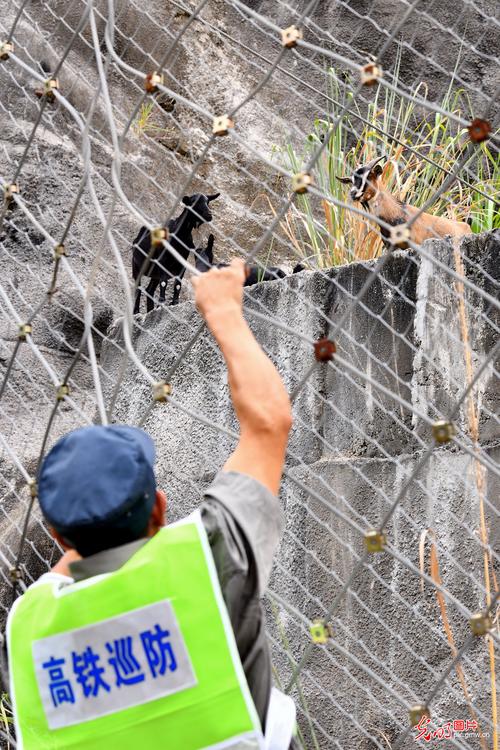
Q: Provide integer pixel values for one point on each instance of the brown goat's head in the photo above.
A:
(364, 180)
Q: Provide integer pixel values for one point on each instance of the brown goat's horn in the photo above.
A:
(372, 163)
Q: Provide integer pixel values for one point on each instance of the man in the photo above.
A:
(152, 636)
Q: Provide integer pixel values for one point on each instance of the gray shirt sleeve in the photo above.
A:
(243, 521)
(258, 514)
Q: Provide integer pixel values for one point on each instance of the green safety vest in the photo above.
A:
(143, 657)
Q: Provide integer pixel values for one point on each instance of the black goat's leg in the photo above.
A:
(137, 303)
(163, 289)
(177, 291)
(177, 287)
(150, 294)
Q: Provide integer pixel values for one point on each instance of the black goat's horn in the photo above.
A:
(342, 179)
(212, 197)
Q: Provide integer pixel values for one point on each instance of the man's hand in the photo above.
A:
(220, 290)
(259, 397)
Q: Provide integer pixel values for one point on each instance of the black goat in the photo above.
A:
(162, 265)
(204, 261)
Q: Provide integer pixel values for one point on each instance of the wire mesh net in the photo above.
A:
(382, 606)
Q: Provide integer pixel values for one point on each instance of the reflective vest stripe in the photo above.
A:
(172, 576)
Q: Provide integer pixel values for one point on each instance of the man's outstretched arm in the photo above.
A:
(259, 396)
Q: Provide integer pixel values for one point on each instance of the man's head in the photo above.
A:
(97, 488)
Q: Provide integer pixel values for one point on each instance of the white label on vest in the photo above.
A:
(114, 664)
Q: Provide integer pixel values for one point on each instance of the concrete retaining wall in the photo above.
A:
(353, 445)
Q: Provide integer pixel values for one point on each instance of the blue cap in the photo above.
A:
(96, 480)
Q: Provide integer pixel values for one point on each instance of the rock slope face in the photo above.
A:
(351, 441)
(352, 446)
(214, 67)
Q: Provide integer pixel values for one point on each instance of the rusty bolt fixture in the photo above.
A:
(370, 74)
(480, 623)
(479, 130)
(375, 541)
(49, 87)
(152, 81)
(59, 251)
(158, 235)
(24, 330)
(5, 49)
(324, 349)
(442, 431)
(62, 391)
(9, 192)
(290, 36)
(399, 236)
(161, 391)
(321, 631)
(222, 125)
(15, 574)
(301, 182)
(417, 713)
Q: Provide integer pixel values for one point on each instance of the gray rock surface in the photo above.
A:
(351, 442)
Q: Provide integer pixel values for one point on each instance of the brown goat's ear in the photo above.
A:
(343, 179)
(373, 167)
(212, 197)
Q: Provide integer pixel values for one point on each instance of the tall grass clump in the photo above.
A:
(332, 235)
(6, 720)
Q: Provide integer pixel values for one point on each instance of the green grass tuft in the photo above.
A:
(333, 235)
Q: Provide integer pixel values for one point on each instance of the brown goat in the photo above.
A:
(368, 190)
